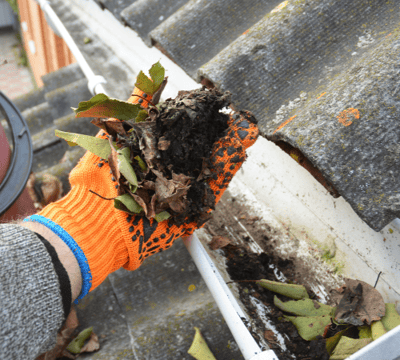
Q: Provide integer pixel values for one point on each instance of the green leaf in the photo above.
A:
(377, 329)
(364, 332)
(348, 346)
(76, 345)
(128, 204)
(144, 83)
(142, 164)
(132, 188)
(86, 105)
(101, 105)
(99, 147)
(164, 215)
(126, 152)
(142, 116)
(309, 327)
(126, 168)
(333, 341)
(157, 73)
(304, 307)
(391, 318)
(290, 290)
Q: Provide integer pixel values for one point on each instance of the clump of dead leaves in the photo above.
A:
(158, 155)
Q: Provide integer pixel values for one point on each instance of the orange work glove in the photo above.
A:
(103, 238)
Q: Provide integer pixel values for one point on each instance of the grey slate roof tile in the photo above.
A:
(145, 15)
(352, 133)
(33, 98)
(38, 117)
(50, 109)
(116, 6)
(301, 51)
(202, 28)
(61, 99)
(64, 76)
(293, 51)
(49, 152)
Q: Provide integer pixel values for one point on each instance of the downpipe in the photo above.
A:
(94, 81)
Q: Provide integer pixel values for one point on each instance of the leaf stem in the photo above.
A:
(104, 198)
(144, 99)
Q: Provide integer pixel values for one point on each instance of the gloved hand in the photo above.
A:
(103, 238)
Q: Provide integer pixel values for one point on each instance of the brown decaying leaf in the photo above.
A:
(31, 190)
(147, 141)
(168, 194)
(92, 344)
(64, 337)
(113, 161)
(51, 189)
(172, 192)
(99, 122)
(44, 190)
(157, 94)
(163, 143)
(112, 126)
(203, 218)
(218, 242)
(148, 185)
(115, 127)
(270, 336)
(143, 199)
(153, 113)
(358, 303)
(205, 171)
(152, 206)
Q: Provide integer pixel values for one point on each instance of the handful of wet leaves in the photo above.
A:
(357, 315)
(159, 155)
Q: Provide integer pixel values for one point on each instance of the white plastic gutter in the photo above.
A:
(226, 302)
(94, 81)
(386, 347)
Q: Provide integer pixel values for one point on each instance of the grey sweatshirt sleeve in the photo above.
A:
(30, 297)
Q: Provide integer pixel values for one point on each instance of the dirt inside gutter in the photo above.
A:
(260, 249)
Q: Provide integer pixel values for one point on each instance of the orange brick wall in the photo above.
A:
(51, 51)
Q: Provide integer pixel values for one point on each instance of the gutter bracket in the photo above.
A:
(94, 81)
